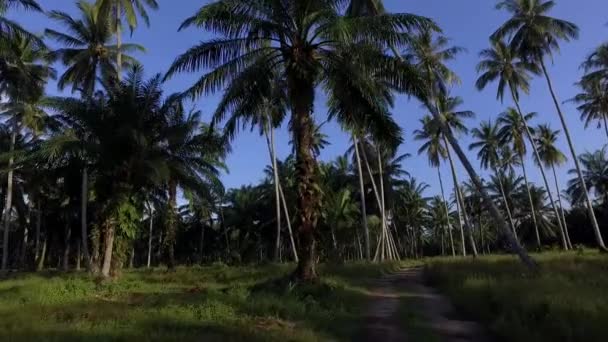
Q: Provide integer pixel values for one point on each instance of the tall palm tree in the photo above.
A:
(512, 132)
(489, 145)
(22, 80)
(534, 36)
(116, 10)
(302, 43)
(87, 52)
(595, 172)
(551, 156)
(435, 152)
(501, 64)
(596, 65)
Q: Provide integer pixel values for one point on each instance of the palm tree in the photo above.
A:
(302, 43)
(551, 156)
(593, 103)
(411, 210)
(436, 77)
(489, 145)
(595, 173)
(88, 54)
(115, 11)
(535, 35)
(435, 151)
(22, 80)
(501, 63)
(596, 65)
(512, 132)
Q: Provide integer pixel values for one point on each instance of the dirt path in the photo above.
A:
(386, 323)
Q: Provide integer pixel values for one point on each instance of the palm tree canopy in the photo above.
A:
(430, 135)
(595, 176)
(592, 101)
(130, 9)
(546, 139)
(9, 28)
(512, 129)
(500, 63)
(532, 32)
(488, 143)
(88, 53)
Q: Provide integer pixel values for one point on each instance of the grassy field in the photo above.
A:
(216, 303)
(567, 301)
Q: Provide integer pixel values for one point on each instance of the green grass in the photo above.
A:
(567, 301)
(216, 303)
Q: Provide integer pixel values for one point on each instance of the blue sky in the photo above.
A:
(467, 22)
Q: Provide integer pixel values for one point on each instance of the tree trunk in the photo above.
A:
(538, 160)
(201, 244)
(496, 216)
(460, 205)
(533, 211)
(42, 256)
(605, 124)
(302, 95)
(37, 237)
(9, 198)
(269, 131)
(504, 199)
(108, 247)
(171, 226)
(83, 218)
(26, 235)
(561, 206)
(596, 228)
(78, 255)
(294, 250)
(150, 235)
(66, 248)
(363, 203)
(447, 212)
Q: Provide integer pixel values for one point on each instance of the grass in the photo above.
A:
(215, 303)
(567, 301)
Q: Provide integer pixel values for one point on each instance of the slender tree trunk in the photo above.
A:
(363, 203)
(83, 218)
(269, 131)
(42, 256)
(78, 255)
(66, 248)
(460, 205)
(596, 227)
(294, 250)
(108, 248)
(605, 124)
(150, 235)
(201, 245)
(26, 235)
(302, 93)
(390, 245)
(494, 212)
(504, 199)
(170, 235)
(447, 212)
(9, 198)
(37, 237)
(561, 206)
(538, 160)
(533, 210)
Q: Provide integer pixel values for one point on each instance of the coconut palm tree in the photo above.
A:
(593, 103)
(23, 75)
(303, 44)
(501, 64)
(489, 145)
(596, 65)
(88, 54)
(595, 173)
(435, 152)
(117, 10)
(512, 132)
(9, 28)
(534, 36)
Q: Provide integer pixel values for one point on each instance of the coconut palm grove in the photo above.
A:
(393, 205)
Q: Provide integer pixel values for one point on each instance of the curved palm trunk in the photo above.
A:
(269, 131)
(447, 212)
(302, 93)
(533, 210)
(363, 206)
(494, 212)
(563, 214)
(9, 198)
(83, 219)
(504, 199)
(462, 212)
(540, 165)
(596, 227)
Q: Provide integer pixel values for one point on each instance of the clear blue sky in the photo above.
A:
(467, 22)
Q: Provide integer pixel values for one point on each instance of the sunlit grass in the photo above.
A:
(567, 301)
